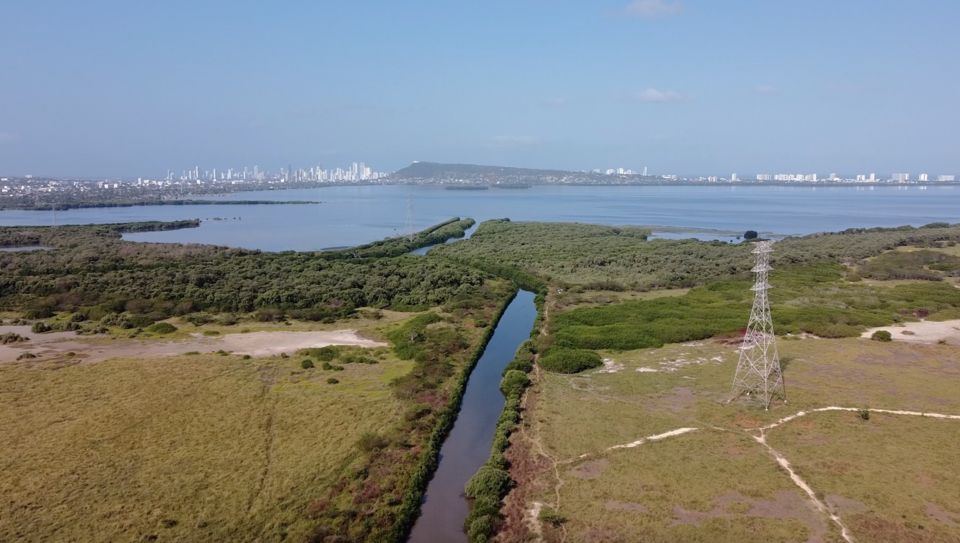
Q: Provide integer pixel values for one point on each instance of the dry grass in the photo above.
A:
(717, 483)
(187, 448)
(892, 467)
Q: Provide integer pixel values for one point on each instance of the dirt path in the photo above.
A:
(762, 439)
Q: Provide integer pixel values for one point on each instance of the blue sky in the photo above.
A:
(104, 88)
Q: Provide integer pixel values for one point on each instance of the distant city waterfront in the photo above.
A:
(351, 215)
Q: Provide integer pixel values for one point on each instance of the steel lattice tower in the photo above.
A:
(410, 233)
(758, 371)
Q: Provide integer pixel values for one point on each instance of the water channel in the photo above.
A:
(467, 447)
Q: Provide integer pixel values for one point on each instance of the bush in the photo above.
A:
(24, 356)
(481, 528)
(750, 234)
(513, 382)
(162, 328)
(333, 381)
(519, 365)
(490, 482)
(12, 337)
(552, 517)
(882, 335)
(562, 360)
(864, 413)
(39, 327)
(371, 441)
(323, 353)
(306, 364)
(138, 321)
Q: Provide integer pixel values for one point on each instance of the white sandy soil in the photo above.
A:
(95, 349)
(923, 332)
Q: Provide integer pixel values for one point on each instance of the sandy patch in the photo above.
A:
(588, 470)
(679, 399)
(950, 519)
(271, 343)
(845, 506)
(625, 506)
(922, 332)
(256, 344)
(786, 505)
(610, 366)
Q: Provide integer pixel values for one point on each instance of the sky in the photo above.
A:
(687, 87)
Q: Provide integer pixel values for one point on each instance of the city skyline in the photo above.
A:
(97, 89)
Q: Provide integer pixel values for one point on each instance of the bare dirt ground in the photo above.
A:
(923, 332)
(255, 344)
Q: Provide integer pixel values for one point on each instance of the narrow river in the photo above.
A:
(468, 445)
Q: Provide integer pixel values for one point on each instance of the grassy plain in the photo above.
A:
(717, 483)
(188, 448)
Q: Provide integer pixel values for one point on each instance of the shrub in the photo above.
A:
(323, 353)
(138, 321)
(333, 381)
(12, 337)
(306, 364)
(481, 528)
(162, 328)
(372, 441)
(750, 234)
(25, 356)
(490, 482)
(211, 333)
(513, 382)
(882, 335)
(327, 366)
(864, 413)
(520, 365)
(39, 327)
(563, 360)
(246, 357)
(552, 517)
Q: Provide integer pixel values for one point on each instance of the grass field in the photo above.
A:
(717, 483)
(188, 448)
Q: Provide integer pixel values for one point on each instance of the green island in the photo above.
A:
(162, 391)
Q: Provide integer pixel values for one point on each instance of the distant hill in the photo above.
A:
(436, 170)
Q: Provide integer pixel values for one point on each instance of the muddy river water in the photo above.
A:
(468, 445)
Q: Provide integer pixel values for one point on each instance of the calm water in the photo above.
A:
(468, 445)
(354, 215)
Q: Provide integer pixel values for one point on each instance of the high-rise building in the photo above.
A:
(734, 177)
(764, 177)
(924, 177)
(900, 177)
(946, 178)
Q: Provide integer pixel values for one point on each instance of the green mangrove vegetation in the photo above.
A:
(621, 258)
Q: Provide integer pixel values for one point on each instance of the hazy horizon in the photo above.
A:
(685, 87)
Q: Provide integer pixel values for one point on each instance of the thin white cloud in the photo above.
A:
(767, 89)
(555, 102)
(653, 95)
(513, 141)
(653, 9)
(7, 138)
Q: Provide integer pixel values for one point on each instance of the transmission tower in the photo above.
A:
(758, 371)
(410, 231)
